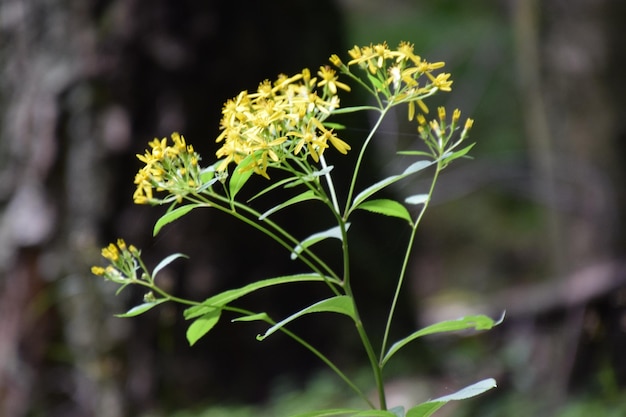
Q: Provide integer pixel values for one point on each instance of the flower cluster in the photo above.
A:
(124, 262)
(398, 75)
(281, 120)
(173, 168)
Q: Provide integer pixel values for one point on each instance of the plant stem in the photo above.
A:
(331, 186)
(359, 160)
(405, 261)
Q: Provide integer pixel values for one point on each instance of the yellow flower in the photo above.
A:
(441, 81)
(276, 122)
(329, 78)
(405, 52)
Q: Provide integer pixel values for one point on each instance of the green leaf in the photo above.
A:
(334, 232)
(307, 195)
(341, 304)
(469, 391)
(336, 126)
(416, 199)
(449, 157)
(374, 188)
(277, 184)
(375, 413)
(477, 322)
(328, 413)
(254, 317)
(225, 297)
(241, 174)
(202, 325)
(175, 214)
(166, 262)
(425, 409)
(428, 408)
(415, 153)
(386, 207)
(378, 84)
(141, 308)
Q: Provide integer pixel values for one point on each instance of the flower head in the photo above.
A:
(280, 121)
(124, 262)
(171, 168)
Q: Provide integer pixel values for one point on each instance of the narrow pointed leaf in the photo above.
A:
(341, 304)
(202, 325)
(386, 207)
(334, 232)
(448, 157)
(173, 215)
(417, 199)
(254, 317)
(241, 174)
(328, 413)
(477, 322)
(141, 308)
(428, 408)
(425, 409)
(225, 297)
(165, 262)
(307, 195)
(375, 413)
(470, 391)
(277, 184)
(374, 188)
(415, 153)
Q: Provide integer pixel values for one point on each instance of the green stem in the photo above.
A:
(359, 160)
(290, 247)
(331, 186)
(405, 261)
(365, 341)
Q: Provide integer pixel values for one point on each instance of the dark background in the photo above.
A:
(531, 225)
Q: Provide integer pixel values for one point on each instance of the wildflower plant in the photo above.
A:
(286, 126)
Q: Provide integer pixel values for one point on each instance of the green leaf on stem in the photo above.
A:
(375, 413)
(170, 216)
(254, 317)
(386, 207)
(165, 262)
(277, 184)
(378, 84)
(222, 299)
(476, 322)
(202, 325)
(328, 413)
(141, 308)
(241, 175)
(425, 409)
(374, 188)
(416, 199)
(334, 232)
(450, 156)
(341, 304)
(428, 408)
(307, 195)
(415, 153)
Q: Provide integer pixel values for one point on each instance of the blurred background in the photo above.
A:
(532, 225)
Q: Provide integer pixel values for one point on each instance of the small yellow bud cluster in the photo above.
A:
(438, 134)
(281, 120)
(123, 261)
(172, 168)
